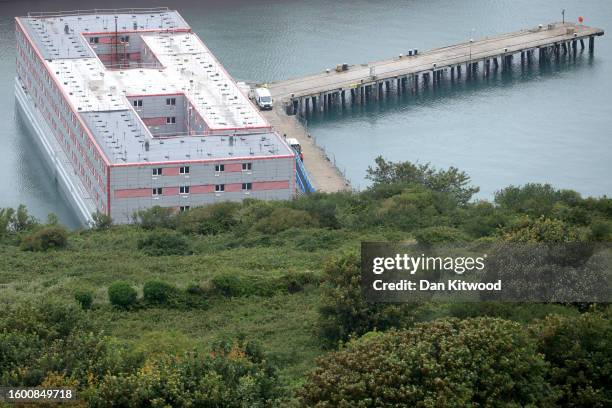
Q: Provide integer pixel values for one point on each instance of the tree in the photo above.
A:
(452, 181)
(474, 362)
(535, 199)
(344, 311)
(579, 350)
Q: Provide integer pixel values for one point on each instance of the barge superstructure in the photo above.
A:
(132, 110)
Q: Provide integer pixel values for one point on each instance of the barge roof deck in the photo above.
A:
(185, 66)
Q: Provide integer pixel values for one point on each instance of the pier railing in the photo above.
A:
(142, 10)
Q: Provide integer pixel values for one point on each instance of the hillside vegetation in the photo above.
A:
(232, 304)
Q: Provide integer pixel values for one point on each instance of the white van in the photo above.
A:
(295, 145)
(263, 98)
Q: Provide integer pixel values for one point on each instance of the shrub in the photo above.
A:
(414, 207)
(101, 221)
(320, 206)
(235, 285)
(158, 292)
(314, 239)
(438, 235)
(475, 362)
(296, 281)
(601, 230)
(579, 350)
(195, 289)
(46, 342)
(228, 284)
(284, 218)
(344, 311)
(52, 236)
(544, 230)
(534, 199)
(481, 219)
(84, 297)
(254, 210)
(161, 243)
(451, 181)
(209, 220)
(122, 294)
(156, 217)
(232, 376)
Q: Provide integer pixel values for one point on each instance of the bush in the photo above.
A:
(438, 235)
(101, 221)
(414, 207)
(232, 376)
(84, 297)
(209, 220)
(344, 311)
(544, 230)
(195, 289)
(579, 350)
(158, 292)
(296, 281)
(283, 218)
(122, 294)
(156, 217)
(534, 199)
(321, 206)
(451, 181)
(52, 236)
(162, 243)
(475, 362)
(49, 342)
(229, 284)
(236, 285)
(233, 285)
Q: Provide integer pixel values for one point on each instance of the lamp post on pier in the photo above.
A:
(471, 41)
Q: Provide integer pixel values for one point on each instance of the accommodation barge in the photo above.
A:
(132, 110)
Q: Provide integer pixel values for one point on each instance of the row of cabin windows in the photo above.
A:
(169, 102)
(158, 171)
(245, 167)
(157, 191)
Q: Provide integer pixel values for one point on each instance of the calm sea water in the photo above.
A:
(547, 125)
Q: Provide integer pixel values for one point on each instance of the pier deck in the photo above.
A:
(324, 176)
(358, 82)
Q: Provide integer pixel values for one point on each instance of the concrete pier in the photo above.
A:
(324, 176)
(360, 84)
(373, 80)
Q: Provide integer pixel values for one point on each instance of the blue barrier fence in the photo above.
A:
(301, 176)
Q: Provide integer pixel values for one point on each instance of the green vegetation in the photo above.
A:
(122, 294)
(479, 362)
(159, 243)
(232, 304)
(44, 238)
(84, 298)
